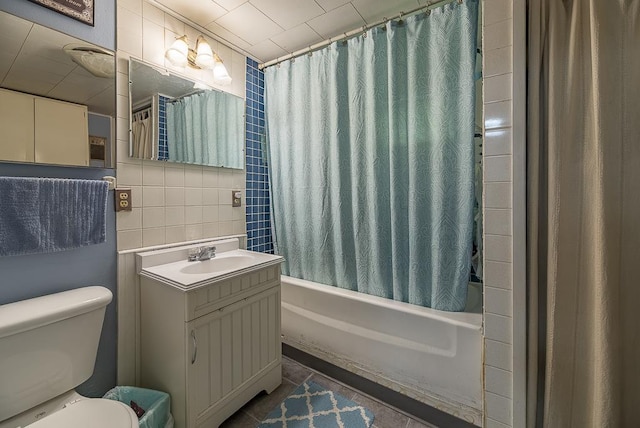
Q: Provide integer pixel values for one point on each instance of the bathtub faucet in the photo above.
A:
(203, 253)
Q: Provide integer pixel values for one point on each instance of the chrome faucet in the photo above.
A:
(203, 253)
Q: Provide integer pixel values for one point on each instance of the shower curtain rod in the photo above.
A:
(353, 33)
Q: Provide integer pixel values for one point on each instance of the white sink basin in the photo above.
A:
(220, 263)
(172, 267)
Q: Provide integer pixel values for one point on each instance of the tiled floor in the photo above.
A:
(293, 374)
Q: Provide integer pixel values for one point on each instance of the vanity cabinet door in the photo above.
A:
(16, 126)
(227, 350)
(61, 133)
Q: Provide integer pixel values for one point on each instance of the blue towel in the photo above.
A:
(41, 215)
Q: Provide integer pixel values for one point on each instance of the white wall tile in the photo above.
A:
(152, 175)
(498, 274)
(210, 177)
(152, 13)
(152, 51)
(174, 216)
(497, 141)
(129, 175)
(238, 213)
(498, 301)
(174, 196)
(136, 196)
(497, 115)
(153, 196)
(498, 221)
(194, 231)
(498, 327)
(498, 408)
(496, 11)
(225, 213)
(498, 354)
(129, 239)
(193, 177)
(129, 32)
(498, 35)
(210, 230)
(193, 196)
(210, 214)
(134, 6)
(497, 248)
(153, 236)
(497, 168)
(225, 179)
(174, 176)
(175, 234)
(225, 228)
(224, 197)
(153, 217)
(127, 220)
(239, 227)
(497, 195)
(498, 61)
(193, 215)
(498, 381)
(209, 196)
(497, 88)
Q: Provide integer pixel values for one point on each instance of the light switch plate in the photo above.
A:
(236, 198)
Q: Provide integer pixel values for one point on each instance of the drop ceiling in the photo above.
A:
(268, 29)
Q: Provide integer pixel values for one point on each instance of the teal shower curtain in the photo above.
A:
(372, 159)
(200, 128)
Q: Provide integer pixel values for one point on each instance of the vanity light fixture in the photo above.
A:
(203, 57)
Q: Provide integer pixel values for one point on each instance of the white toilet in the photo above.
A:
(48, 346)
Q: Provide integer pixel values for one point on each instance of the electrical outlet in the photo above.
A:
(123, 199)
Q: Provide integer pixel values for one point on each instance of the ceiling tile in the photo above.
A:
(331, 4)
(230, 4)
(340, 20)
(289, 13)
(267, 51)
(250, 24)
(199, 11)
(227, 35)
(297, 38)
(375, 10)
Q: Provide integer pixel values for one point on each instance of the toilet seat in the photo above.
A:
(91, 412)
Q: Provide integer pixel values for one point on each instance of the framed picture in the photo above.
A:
(82, 10)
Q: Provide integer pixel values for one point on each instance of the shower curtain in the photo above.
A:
(372, 159)
(201, 126)
(583, 210)
(142, 135)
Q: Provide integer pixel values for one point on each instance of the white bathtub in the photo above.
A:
(432, 356)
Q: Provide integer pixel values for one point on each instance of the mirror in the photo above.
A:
(178, 120)
(57, 97)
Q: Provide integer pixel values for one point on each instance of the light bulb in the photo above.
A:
(177, 53)
(204, 54)
(220, 73)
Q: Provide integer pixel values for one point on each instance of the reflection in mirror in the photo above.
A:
(57, 97)
(175, 119)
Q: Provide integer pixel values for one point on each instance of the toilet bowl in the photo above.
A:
(48, 346)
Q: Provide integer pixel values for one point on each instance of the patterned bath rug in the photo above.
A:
(313, 406)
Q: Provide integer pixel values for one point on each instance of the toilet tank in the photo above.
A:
(48, 346)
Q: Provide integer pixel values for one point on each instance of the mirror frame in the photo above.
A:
(171, 72)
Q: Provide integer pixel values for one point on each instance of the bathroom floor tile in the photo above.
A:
(262, 404)
(418, 424)
(385, 417)
(332, 385)
(295, 372)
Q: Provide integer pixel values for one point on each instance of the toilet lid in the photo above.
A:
(93, 412)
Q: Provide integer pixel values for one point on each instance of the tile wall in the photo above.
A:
(258, 206)
(171, 202)
(503, 145)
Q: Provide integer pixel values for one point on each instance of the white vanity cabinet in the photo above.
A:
(212, 346)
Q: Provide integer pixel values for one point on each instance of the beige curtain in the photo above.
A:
(584, 213)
